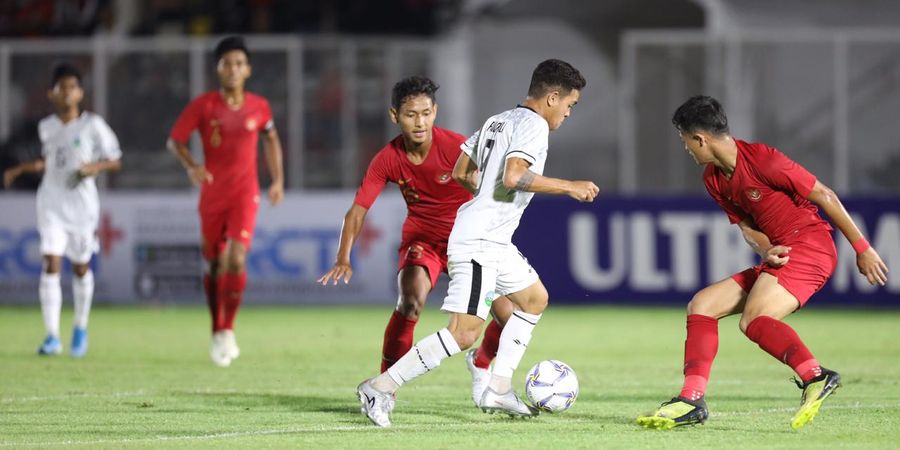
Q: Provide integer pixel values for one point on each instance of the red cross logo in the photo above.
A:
(108, 234)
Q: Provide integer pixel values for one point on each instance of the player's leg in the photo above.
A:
(418, 269)
(501, 310)
(53, 246)
(81, 248)
(710, 304)
(768, 303)
(210, 281)
(50, 294)
(468, 298)
(212, 246)
(83, 295)
(478, 360)
(240, 221)
(230, 293)
(522, 286)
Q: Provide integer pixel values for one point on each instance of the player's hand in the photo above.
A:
(339, 270)
(88, 170)
(776, 256)
(9, 175)
(583, 191)
(199, 175)
(872, 267)
(276, 193)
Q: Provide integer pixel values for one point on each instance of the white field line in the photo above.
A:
(344, 428)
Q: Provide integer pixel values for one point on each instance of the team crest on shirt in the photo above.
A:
(754, 195)
(443, 178)
(250, 124)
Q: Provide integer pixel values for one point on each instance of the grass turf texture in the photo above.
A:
(147, 382)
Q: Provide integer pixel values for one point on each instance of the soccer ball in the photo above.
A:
(551, 386)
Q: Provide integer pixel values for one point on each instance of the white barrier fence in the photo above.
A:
(150, 250)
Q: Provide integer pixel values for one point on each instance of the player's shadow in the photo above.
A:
(250, 401)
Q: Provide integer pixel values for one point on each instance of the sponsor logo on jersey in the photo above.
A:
(443, 178)
(754, 195)
(489, 298)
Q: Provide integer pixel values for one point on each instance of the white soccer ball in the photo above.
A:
(551, 386)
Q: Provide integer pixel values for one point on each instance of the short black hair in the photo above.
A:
(411, 87)
(554, 74)
(231, 43)
(64, 70)
(701, 113)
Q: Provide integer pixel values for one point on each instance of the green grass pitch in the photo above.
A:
(148, 382)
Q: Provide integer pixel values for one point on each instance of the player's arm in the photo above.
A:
(465, 172)
(94, 168)
(518, 176)
(196, 172)
(353, 222)
(10, 175)
(272, 148)
(773, 255)
(867, 259)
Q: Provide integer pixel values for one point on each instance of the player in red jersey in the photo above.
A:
(420, 161)
(773, 200)
(230, 121)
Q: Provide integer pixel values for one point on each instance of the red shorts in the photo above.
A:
(433, 257)
(236, 222)
(813, 259)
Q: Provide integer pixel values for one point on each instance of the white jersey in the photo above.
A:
(493, 215)
(63, 199)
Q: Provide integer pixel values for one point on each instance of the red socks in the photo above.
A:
(700, 349)
(781, 341)
(488, 349)
(209, 287)
(398, 339)
(230, 293)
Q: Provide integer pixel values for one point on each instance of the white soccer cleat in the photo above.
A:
(230, 343)
(375, 405)
(218, 351)
(480, 377)
(508, 403)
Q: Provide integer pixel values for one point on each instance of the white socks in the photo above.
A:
(50, 294)
(83, 293)
(425, 356)
(514, 340)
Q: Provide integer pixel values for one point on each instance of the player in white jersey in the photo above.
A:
(75, 146)
(502, 166)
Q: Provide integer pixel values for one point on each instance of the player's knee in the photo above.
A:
(410, 305)
(80, 269)
(236, 262)
(700, 304)
(746, 319)
(52, 265)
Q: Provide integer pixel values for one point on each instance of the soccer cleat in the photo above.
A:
(375, 405)
(480, 377)
(508, 403)
(50, 346)
(218, 351)
(675, 413)
(814, 393)
(230, 343)
(79, 342)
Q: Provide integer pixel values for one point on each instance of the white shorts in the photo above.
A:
(477, 279)
(77, 246)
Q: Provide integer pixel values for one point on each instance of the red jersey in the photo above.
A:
(432, 196)
(230, 138)
(770, 188)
